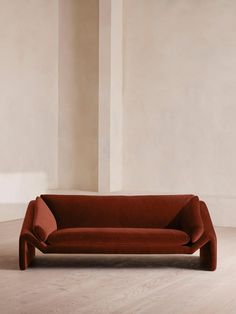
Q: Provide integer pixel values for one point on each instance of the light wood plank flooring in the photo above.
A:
(116, 284)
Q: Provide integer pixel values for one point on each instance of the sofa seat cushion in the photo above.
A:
(77, 236)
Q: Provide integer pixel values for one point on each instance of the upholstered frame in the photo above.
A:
(197, 223)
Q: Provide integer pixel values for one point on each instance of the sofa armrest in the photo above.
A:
(44, 221)
(191, 220)
(26, 250)
(209, 230)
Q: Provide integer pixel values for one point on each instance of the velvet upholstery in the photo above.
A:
(144, 224)
(141, 211)
(44, 221)
(189, 219)
(125, 236)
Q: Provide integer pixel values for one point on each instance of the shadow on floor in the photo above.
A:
(118, 261)
(10, 262)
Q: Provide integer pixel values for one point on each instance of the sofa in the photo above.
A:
(140, 224)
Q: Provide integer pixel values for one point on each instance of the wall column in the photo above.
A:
(110, 95)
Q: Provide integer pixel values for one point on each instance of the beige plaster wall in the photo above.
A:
(78, 94)
(175, 128)
(28, 101)
(179, 100)
(110, 95)
(116, 113)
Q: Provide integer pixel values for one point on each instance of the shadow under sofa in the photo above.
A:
(140, 224)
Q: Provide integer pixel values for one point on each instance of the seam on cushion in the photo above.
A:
(188, 201)
(179, 212)
(48, 205)
(39, 232)
(35, 227)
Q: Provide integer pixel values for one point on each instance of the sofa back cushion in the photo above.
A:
(141, 211)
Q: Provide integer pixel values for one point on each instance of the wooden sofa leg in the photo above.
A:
(26, 254)
(208, 255)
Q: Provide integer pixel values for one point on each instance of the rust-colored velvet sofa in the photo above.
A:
(144, 224)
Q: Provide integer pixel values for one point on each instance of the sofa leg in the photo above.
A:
(208, 255)
(26, 254)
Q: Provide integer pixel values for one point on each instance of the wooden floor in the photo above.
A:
(116, 284)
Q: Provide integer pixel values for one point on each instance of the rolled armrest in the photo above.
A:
(191, 220)
(44, 221)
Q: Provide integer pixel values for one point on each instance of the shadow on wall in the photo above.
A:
(17, 189)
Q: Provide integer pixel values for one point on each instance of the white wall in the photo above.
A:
(28, 101)
(179, 100)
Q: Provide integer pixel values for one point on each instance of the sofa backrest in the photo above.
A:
(141, 211)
